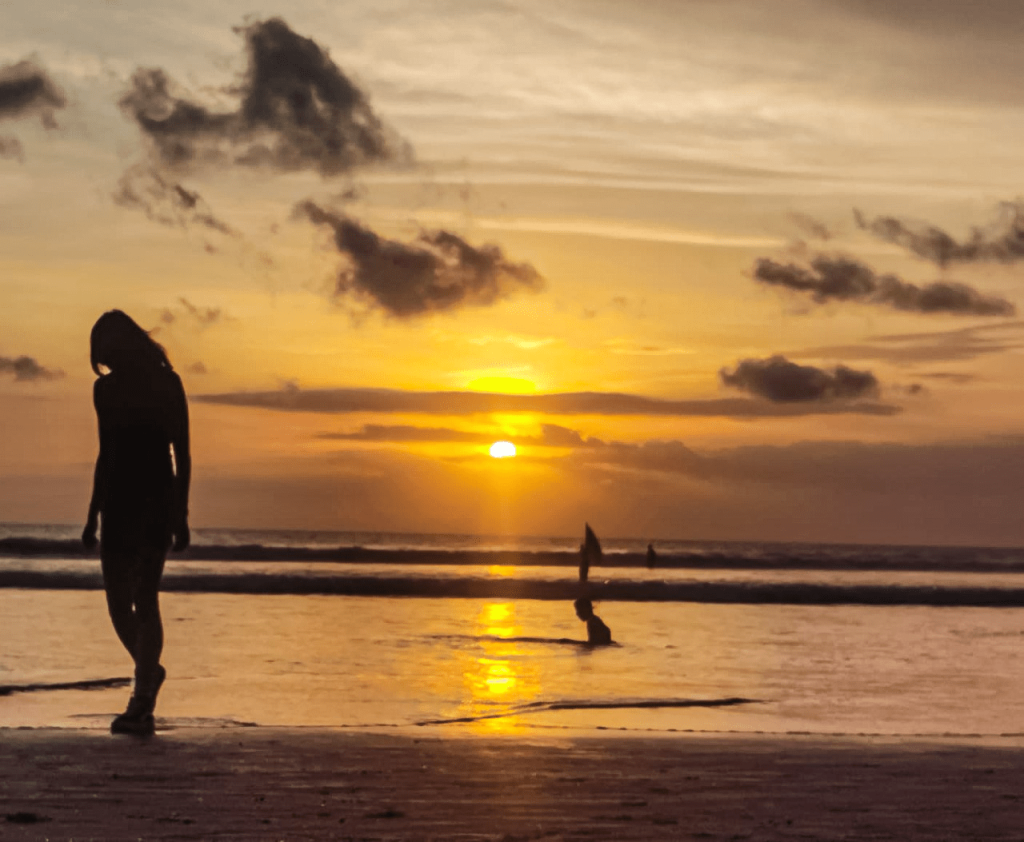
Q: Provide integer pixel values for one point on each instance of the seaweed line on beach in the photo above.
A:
(542, 707)
(86, 684)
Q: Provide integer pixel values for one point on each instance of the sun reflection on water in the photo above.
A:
(502, 676)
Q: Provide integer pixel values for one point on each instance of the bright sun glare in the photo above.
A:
(503, 449)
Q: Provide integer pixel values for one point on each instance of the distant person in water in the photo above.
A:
(140, 494)
(652, 556)
(598, 634)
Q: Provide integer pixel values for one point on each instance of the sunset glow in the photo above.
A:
(720, 279)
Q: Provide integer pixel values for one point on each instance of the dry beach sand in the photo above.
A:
(259, 783)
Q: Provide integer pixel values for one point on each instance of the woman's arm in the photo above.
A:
(182, 466)
(99, 480)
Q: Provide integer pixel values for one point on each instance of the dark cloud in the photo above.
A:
(196, 368)
(164, 200)
(293, 399)
(782, 381)
(27, 369)
(1003, 242)
(845, 279)
(26, 91)
(296, 110)
(439, 271)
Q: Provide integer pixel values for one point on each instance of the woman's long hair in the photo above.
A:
(116, 334)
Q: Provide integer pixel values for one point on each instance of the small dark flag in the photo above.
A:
(590, 552)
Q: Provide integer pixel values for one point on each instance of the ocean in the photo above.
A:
(473, 634)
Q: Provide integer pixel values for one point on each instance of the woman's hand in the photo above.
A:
(89, 534)
(182, 536)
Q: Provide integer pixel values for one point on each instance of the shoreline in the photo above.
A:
(710, 592)
(305, 783)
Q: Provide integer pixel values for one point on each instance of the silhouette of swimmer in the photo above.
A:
(140, 492)
(598, 634)
(652, 556)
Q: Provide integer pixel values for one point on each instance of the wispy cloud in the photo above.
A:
(552, 435)
(525, 342)
(403, 433)
(294, 399)
(28, 369)
(846, 279)
(930, 346)
(810, 226)
(782, 381)
(631, 348)
(623, 230)
(957, 377)
(1002, 242)
(186, 310)
(990, 469)
(438, 272)
(10, 147)
(165, 200)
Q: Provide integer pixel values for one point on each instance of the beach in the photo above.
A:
(331, 715)
(292, 784)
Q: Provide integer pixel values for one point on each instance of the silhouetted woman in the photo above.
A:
(140, 492)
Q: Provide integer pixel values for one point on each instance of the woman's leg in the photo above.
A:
(149, 636)
(118, 582)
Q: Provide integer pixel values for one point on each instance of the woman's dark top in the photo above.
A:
(138, 414)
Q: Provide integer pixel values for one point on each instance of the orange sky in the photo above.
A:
(584, 202)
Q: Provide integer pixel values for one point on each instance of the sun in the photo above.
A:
(503, 450)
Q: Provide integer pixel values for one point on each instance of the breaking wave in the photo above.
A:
(310, 582)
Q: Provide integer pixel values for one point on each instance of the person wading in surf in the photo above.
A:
(598, 634)
(140, 493)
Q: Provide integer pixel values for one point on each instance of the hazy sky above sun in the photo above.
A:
(732, 269)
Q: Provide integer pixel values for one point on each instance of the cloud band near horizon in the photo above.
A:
(347, 400)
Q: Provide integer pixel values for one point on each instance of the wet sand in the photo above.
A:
(260, 783)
